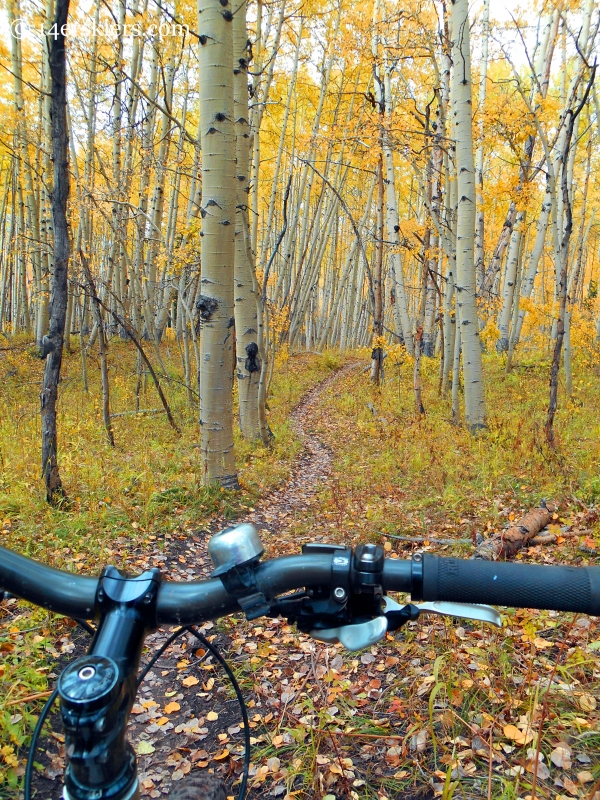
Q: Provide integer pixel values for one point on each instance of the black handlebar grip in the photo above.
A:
(502, 583)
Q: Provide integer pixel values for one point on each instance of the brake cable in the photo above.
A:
(210, 648)
(240, 698)
(40, 723)
(33, 746)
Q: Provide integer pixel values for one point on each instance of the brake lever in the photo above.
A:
(359, 635)
(472, 611)
(355, 636)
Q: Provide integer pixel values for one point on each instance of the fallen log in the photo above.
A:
(510, 541)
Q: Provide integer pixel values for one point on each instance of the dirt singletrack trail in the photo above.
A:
(182, 713)
(310, 472)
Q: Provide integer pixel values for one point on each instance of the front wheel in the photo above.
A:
(198, 787)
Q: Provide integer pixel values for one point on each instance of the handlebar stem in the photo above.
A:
(98, 690)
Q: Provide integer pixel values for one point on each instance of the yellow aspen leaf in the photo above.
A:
(587, 702)
(144, 748)
(171, 707)
(518, 736)
(212, 716)
(191, 680)
(220, 756)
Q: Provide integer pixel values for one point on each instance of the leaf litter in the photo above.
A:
(381, 723)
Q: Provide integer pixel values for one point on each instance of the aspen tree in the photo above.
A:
(510, 277)
(260, 94)
(266, 235)
(562, 268)
(215, 303)
(246, 310)
(377, 352)
(383, 97)
(465, 222)
(53, 342)
(480, 216)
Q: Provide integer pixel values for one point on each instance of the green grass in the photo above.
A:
(394, 473)
(148, 485)
(398, 472)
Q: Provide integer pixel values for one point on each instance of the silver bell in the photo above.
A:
(235, 546)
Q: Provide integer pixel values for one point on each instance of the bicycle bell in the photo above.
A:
(233, 547)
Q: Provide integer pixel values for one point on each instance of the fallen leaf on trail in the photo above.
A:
(221, 755)
(543, 772)
(571, 787)
(212, 716)
(171, 707)
(418, 742)
(585, 777)
(190, 681)
(561, 756)
(518, 736)
(587, 702)
(144, 748)
(583, 723)
(540, 643)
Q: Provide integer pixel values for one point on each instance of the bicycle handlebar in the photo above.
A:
(54, 589)
(560, 588)
(427, 577)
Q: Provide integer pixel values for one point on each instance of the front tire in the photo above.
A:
(198, 787)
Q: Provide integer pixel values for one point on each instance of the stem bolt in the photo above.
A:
(339, 593)
(86, 673)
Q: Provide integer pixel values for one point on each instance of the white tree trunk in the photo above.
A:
(480, 219)
(510, 277)
(215, 304)
(465, 225)
(246, 312)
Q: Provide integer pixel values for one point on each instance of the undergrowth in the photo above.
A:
(145, 490)
(460, 707)
(398, 472)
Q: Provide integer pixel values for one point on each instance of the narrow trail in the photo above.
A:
(173, 720)
(311, 471)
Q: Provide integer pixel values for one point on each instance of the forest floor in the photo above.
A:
(437, 710)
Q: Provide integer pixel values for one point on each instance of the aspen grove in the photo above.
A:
(241, 179)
